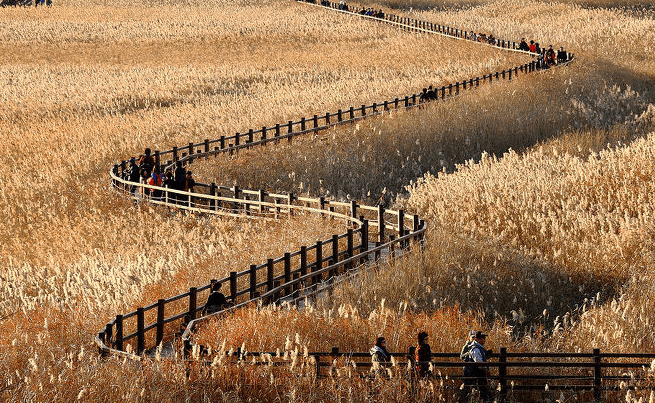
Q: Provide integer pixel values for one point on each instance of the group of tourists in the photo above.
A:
(481, 37)
(548, 57)
(145, 171)
(25, 3)
(473, 351)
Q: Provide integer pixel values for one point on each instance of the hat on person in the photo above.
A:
(480, 335)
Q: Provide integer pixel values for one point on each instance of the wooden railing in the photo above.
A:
(594, 373)
(370, 231)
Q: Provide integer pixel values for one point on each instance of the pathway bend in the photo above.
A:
(370, 232)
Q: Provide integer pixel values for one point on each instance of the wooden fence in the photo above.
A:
(370, 230)
(591, 376)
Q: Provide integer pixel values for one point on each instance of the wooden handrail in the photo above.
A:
(403, 228)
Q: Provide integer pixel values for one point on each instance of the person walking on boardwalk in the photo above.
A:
(216, 301)
(423, 355)
(476, 376)
(524, 45)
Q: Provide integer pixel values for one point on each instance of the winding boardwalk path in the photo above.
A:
(370, 232)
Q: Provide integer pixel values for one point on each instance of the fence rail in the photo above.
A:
(593, 372)
(370, 231)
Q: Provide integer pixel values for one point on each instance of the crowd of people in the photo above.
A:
(473, 351)
(25, 3)
(145, 171)
(547, 57)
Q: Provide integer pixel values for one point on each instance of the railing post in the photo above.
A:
(502, 373)
(253, 280)
(351, 247)
(303, 261)
(277, 130)
(302, 124)
(161, 306)
(175, 154)
(363, 110)
(140, 332)
(233, 286)
(263, 132)
(251, 136)
(352, 112)
(287, 272)
(119, 333)
(317, 364)
(353, 209)
(193, 302)
(315, 119)
(327, 119)
(212, 192)
(237, 139)
(269, 274)
(260, 198)
(335, 255)
(157, 159)
(339, 115)
(364, 246)
(319, 263)
(191, 151)
(108, 334)
(401, 226)
(598, 376)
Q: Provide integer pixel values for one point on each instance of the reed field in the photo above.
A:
(536, 191)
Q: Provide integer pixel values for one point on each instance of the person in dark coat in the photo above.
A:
(423, 355)
(169, 182)
(549, 56)
(476, 376)
(216, 301)
(379, 353)
(180, 180)
(561, 55)
(524, 45)
(133, 173)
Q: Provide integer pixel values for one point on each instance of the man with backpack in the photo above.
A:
(475, 376)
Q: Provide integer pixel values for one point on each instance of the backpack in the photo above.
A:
(465, 355)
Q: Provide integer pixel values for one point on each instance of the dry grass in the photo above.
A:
(87, 86)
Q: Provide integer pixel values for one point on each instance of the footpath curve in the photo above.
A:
(370, 232)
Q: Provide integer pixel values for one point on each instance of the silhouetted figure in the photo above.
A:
(524, 45)
(423, 355)
(562, 56)
(216, 301)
